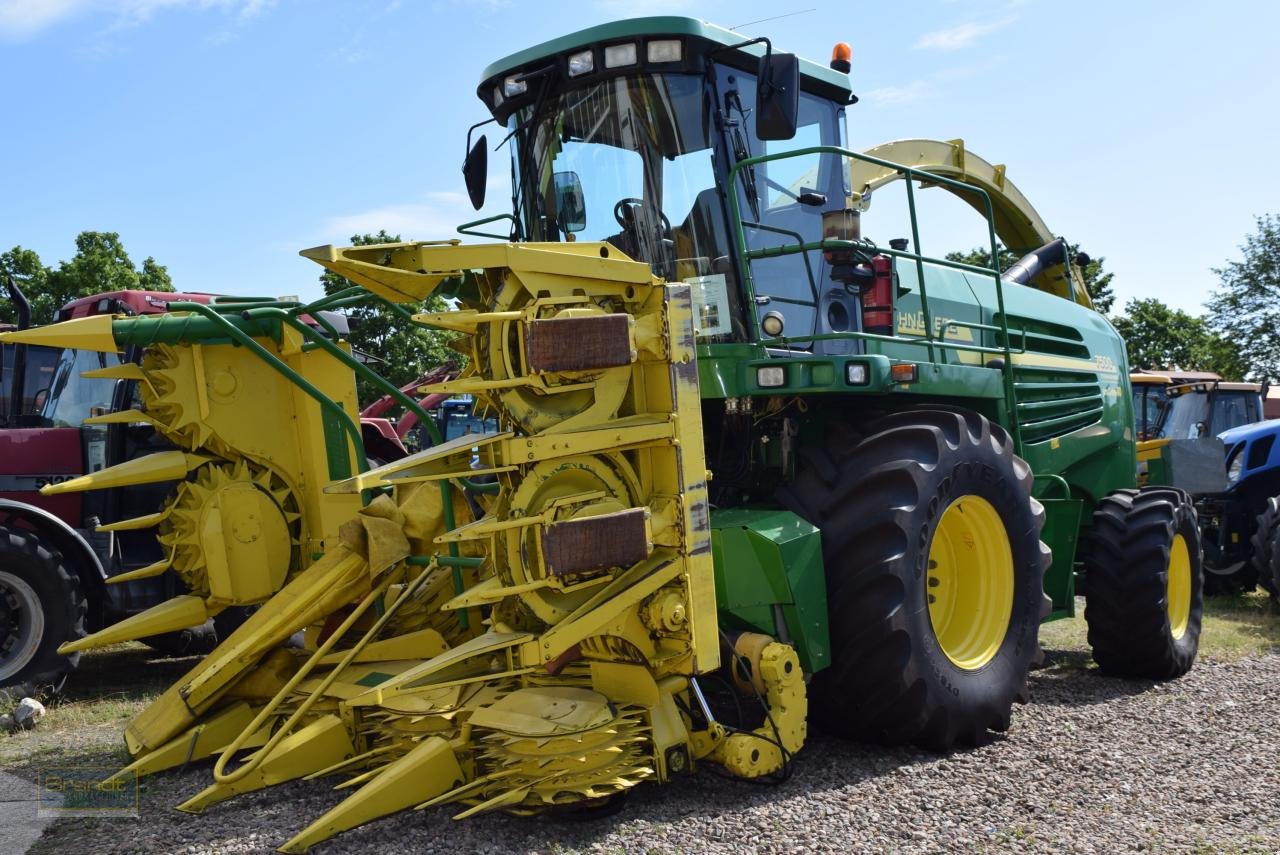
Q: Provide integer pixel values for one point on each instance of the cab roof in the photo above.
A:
(657, 26)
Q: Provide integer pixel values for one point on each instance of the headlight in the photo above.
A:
(771, 376)
(1235, 466)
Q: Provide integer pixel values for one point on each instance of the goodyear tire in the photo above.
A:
(1262, 554)
(41, 606)
(1145, 587)
(935, 571)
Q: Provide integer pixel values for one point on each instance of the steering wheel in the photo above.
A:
(620, 209)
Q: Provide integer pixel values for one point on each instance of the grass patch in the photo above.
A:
(111, 686)
(1236, 626)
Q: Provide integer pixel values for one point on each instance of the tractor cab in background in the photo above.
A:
(1206, 409)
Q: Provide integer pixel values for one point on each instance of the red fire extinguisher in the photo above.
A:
(877, 299)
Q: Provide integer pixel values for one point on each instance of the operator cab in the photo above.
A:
(1196, 410)
(626, 134)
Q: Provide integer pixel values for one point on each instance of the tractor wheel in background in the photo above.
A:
(41, 606)
(1236, 577)
(1144, 584)
(1262, 553)
(935, 572)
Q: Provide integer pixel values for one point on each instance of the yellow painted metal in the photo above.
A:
(428, 769)
(970, 582)
(761, 752)
(1178, 593)
(1151, 449)
(321, 743)
(574, 685)
(1017, 223)
(148, 572)
(170, 616)
(248, 510)
(152, 469)
(201, 741)
(88, 333)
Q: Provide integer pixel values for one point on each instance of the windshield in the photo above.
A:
(639, 149)
(73, 398)
(1191, 416)
(639, 162)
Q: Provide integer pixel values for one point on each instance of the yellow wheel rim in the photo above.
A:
(970, 582)
(1178, 595)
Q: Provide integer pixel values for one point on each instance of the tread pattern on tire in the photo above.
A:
(863, 492)
(1126, 562)
(1262, 553)
(48, 671)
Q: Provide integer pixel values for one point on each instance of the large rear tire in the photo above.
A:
(1144, 583)
(41, 606)
(935, 569)
(1262, 554)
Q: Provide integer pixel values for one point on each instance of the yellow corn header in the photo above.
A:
(517, 649)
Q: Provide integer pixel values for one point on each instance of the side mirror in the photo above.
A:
(475, 171)
(778, 97)
(571, 208)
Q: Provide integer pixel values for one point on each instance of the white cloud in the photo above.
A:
(917, 90)
(960, 36)
(436, 217)
(24, 19)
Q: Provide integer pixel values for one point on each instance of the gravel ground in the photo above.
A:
(1092, 764)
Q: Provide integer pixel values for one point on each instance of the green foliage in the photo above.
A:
(100, 264)
(405, 350)
(1246, 310)
(1096, 280)
(1163, 338)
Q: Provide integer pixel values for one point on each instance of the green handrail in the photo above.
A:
(909, 174)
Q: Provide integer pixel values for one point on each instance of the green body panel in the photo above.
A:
(768, 563)
(1073, 401)
(654, 26)
(1062, 535)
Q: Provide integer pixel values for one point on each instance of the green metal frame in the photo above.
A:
(909, 175)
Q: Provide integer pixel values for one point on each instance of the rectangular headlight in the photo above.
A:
(616, 56)
(582, 63)
(771, 376)
(855, 373)
(665, 50)
(512, 86)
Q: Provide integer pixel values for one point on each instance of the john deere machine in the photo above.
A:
(753, 469)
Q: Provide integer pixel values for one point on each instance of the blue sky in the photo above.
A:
(222, 136)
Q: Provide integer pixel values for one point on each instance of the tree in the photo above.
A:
(1096, 281)
(33, 277)
(100, 264)
(1246, 310)
(1163, 338)
(405, 350)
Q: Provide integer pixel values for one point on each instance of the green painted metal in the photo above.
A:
(910, 176)
(334, 419)
(769, 578)
(653, 26)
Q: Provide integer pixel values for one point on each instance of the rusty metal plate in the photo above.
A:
(578, 344)
(593, 544)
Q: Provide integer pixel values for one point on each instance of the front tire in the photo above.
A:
(1145, 588)
(41, 606)
(935, 569)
